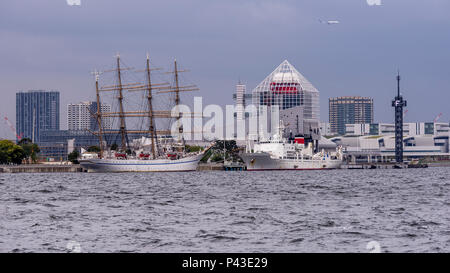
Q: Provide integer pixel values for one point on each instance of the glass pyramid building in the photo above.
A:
(287, 88)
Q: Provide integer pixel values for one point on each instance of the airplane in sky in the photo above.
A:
(73, 2)
(330, 22)
(374, 2)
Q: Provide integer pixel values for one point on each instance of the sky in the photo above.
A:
(50, 45)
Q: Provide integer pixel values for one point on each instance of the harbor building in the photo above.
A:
(56, 145)
(410, 129)
(377, 148)
(349, 110)
(296, 98)
(36, 111)
(80, 116)
(376, 142)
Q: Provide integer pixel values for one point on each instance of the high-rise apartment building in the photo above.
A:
(240, 101)
(349, 110)
(36, 111)
(81, 116)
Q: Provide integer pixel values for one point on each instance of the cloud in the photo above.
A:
(222, 40)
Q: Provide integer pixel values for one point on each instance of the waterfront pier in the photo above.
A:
(40, 168)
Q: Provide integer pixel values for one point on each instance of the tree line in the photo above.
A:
(24, 151)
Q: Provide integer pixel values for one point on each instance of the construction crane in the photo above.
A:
(13, 129)
(437, 117)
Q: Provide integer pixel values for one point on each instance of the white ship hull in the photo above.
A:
(264, 162)
(185, 164)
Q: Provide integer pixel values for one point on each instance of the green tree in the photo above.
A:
(206, 156)
(11, 153)
(231, 150)
(230, 146)
(193, 148)
(17, 155)
(217, 158)
(3, 156)
(73, 157)
(114, 147)
(94, 149)
(31, 149)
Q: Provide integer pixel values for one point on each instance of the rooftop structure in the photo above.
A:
(296, 99)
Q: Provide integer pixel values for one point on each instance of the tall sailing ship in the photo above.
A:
(164, 154)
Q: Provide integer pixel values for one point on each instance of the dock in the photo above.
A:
(379, 165)
(210, 167)
(40, 168)
(234, 166)
(220, 167)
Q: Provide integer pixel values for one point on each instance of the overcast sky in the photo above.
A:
(48, 44)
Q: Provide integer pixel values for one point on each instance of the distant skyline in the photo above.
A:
(51, 45)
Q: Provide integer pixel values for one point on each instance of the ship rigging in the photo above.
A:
(150, 113)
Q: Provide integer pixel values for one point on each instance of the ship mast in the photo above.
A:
(177, 99)
(99, 114)
(177, 89)
(150, 113)
(121, 112)
(150, 110)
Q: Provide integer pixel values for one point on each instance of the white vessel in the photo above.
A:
(187, 163)
(278, 153)
(165, 153)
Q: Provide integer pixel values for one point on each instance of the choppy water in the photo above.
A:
(312, 211)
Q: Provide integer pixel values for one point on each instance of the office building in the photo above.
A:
(409, 129)
(81, 116)
(36, 111)
(56, 145)
(325, 129)
(349, 110)
(240, 101)
(379, 148)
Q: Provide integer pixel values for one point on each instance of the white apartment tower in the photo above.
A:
(240, 101)
(80, 116)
